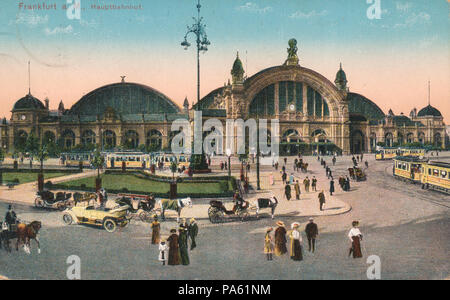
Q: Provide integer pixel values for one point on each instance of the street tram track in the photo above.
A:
(417, 194)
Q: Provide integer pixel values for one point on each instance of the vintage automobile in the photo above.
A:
(47, 199)
(109, 219)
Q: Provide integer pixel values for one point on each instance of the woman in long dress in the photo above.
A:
(296, 246)
(280, 239)
(287, 191)
(268, 244)
(174, 251)
(183, 244)
(156, 231)
(355, 237)
(271, 181)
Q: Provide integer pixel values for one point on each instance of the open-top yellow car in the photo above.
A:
(109, 219)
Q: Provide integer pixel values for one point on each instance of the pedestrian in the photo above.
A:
(222, 166)
(314, 184)
(342, 182)
(295, 164)
(287, 191)
(10, 217)
(312, 232)
(334, 160)
(174, 253)
(306, 184)
(226, 166)
(284, 177)
(193, 232)
(367, 164)
(268, 244)
(285, 160)
(347, 184)
(296, 243)
(280, 239)
(163, 252)
(291, 179)
(156, 230)
(331, 186)
(271, 181)
(297, 190)
(321, 200)
(183, 244)
(355, 237)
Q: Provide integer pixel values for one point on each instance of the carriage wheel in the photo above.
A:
(215, 215)
(244, 215)
(109, 225)
(61, 206)
(67, 219)
(144, 216)
(38, 202)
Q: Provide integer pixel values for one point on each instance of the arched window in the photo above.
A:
(421, 138)
(131, 139)
(389, 139)
(172, 135)
(154, 140)
(109, 139)
(291, 136)
(410, 138)
(373, 141)
(88, 137)
(49, 137)
(400, 139)
(437, 140)
(20, 140)
(264, 103)
(68, 139)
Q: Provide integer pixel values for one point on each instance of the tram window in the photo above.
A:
(429, 171)
(443, 174)
(435, 172)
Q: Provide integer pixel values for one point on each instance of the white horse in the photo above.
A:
(271, 203)
(176, 205)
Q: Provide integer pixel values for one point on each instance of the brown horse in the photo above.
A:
(25, 233)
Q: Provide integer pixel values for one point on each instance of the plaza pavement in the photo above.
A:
(307, 206)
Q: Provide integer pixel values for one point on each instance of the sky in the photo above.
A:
(389, 59)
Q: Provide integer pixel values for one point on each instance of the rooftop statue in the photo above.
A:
(292, 53)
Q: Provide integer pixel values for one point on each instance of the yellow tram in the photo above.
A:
(386, 153)
(436, 175)
(73, 159)
(131, 159)
(409, 168)
(167, 158)
(390, 153)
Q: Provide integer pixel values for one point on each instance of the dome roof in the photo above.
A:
(340, 75)
(124, 98)
(429, 111)
(360, 105)
(28, 102)
(238, 69)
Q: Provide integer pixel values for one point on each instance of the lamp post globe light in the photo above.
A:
(198, 29)
(229, 161)
(198, 161)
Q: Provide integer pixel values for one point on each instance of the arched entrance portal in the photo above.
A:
(357, 145)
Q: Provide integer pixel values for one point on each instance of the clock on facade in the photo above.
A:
(23, 117)
(292, 107)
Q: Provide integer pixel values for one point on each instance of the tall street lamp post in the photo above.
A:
(229, 161)
(198, 29)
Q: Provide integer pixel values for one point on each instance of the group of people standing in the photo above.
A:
(175, 249)
(278, 243)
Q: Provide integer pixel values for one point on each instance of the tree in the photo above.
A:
(32, 144)
(98, 160)
(40, 154)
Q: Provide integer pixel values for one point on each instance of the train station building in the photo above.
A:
(313, 112)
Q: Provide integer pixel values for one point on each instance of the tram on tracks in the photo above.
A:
(132, 160)
(167, 158)
(73, 159)
(390, 153)
(409, 168)
(436, 176)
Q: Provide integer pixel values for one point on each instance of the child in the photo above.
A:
(163, 252)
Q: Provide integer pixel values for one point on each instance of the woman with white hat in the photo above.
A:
(296, 240)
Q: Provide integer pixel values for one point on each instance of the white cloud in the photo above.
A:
(59, 30)
(30, 19)
(403, 7)
(413, 19)
(254, 8)
(312, 14)
(427, 42)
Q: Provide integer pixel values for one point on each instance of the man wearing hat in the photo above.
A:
(11, 217)
(312, 232)
(268, 244)
(193, 232)
(321, 197)
(280, 239)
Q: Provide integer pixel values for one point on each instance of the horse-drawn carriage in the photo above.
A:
(217, 211)
(142, 206)
(357, 174)
(21, 231)
(47, 199)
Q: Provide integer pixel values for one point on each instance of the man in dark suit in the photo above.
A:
(311, 233)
